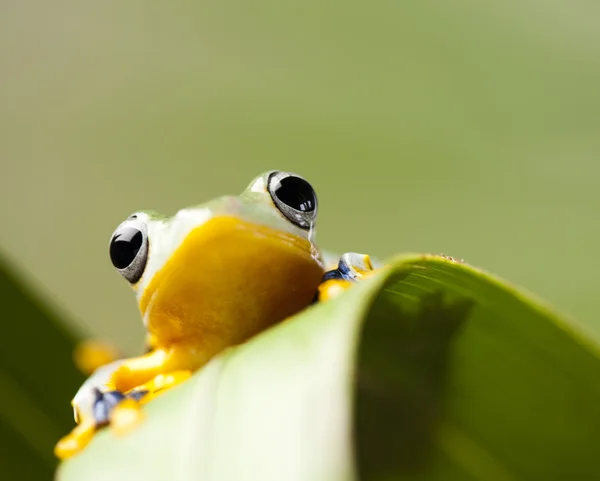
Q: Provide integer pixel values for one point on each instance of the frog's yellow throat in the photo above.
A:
(227, 281)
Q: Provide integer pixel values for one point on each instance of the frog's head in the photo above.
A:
(220, 272)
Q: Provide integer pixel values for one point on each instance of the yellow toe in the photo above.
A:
(126, 416)
(332, 288)
(75, 441)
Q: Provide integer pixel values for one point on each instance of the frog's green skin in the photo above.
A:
(210, 277)
(255, 206)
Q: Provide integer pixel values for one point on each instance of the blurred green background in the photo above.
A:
(469, 128)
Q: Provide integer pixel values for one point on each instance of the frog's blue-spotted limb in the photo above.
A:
(351, 267)
(209, 277)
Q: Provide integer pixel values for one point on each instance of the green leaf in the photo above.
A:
(429, 370)
(37, 380)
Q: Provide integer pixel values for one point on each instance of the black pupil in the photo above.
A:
(124, 246)
(296, 193)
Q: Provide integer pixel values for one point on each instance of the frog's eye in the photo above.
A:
(129, 249)
(294, 197)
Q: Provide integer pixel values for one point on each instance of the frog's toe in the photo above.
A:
(91, 354)
(351, 267)
(75, 441)
(331, 288)
(126, 416)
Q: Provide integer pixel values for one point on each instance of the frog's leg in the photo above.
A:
(126, 414)
(136, 371)
(148, 391)
(98, 403)
(352, 267)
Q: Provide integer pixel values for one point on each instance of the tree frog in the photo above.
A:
(210, 277)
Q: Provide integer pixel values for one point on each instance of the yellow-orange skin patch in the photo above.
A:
(229, 280)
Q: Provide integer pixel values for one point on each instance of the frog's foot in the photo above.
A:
(351, 268)
(137, 371)
(128, 413)
(81, 435)
(120, 411)
(92, 354)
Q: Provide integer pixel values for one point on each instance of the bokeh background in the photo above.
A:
(469, 128)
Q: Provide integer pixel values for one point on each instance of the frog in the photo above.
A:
(208, 278)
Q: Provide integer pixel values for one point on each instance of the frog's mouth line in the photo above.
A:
(228, 267)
